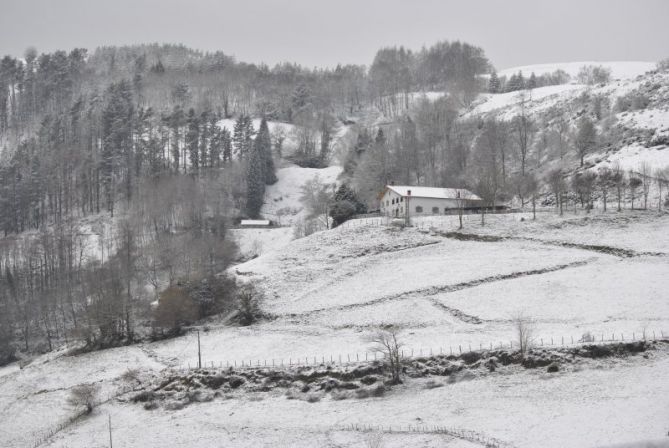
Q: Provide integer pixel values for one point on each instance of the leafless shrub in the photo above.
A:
(313, 398)
(340, 395)
(362, 393)
(256, 248)
(378, 391)
(587, 337)
(524, 329)
(174, 405)
(291, 394)
(131, 376)
(85, 396)
(432, 384)
(386, 343)
(248, 297)
(374, 440)
(150, 405)
(175, 309)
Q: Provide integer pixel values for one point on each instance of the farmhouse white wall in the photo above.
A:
(393, 204)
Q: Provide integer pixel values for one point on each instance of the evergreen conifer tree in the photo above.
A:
(255, 183)
(263, 145)
(192, 140)
(494, 84)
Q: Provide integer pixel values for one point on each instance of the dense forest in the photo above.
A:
(121, 147)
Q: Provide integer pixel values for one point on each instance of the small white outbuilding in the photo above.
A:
(255, 223)
(400, 201)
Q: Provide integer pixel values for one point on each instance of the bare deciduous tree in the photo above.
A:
(523, 326)
(387, 343)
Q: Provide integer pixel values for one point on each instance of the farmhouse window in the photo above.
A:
(435, 209)
(419, 209)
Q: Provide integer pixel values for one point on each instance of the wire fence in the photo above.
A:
(41, 437)
(407, 353)
(459, 433)
(444, 221)
(347, 360)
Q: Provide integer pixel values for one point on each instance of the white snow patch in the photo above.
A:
(631, 157)
(282, 200)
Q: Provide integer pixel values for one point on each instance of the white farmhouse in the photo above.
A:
(401, 201)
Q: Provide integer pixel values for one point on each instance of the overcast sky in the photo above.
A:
(319, 33)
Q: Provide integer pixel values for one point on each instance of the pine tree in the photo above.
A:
(238, 136)
(117, 149)
(494, 84)
(175, 122)
(255, 183)
(192, 140)
(345, 205)
(205, 137)
(263, 145)
(226, 145)
(214, 142)
(326, 140)
(301, 97)
(532, 82)
(242, 135)
(512, 84)
(248, 133)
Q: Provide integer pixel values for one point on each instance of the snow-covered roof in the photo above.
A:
(255, 222)
(433, 192)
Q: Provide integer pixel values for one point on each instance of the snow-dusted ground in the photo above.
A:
(548, 95)
(282, 200)
(330, 290)
(255, 242)
(616, 402)
(633, 156)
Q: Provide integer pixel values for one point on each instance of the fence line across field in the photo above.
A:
(408, 353)
(460, 433)
(425, 222)
(41, 437)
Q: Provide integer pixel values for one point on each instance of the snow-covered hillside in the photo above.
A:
(642, 131)
(328, 291)
(619, 69)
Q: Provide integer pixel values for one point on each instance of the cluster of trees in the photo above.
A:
(588, 74)
(80, 130)
(446, 66)
(64, 283)
(609, 184)
(517, 81)
(327, 206)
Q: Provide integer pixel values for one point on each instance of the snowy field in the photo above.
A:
(330, 290)
(586, 408)
(255, 242)
(282, 200)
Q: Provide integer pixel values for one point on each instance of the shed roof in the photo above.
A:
(255, 222)
(433, 192)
